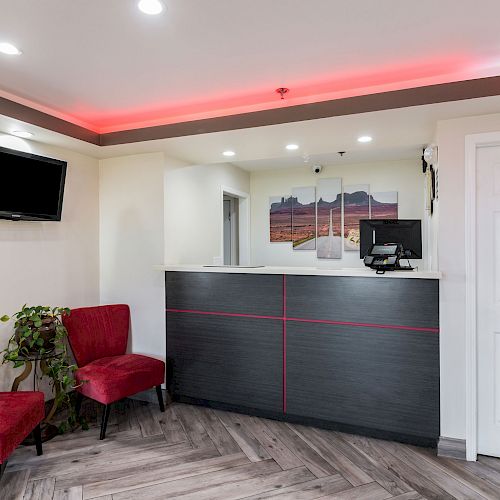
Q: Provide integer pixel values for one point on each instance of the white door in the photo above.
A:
(488, 299)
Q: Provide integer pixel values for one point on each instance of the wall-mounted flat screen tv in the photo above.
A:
(31, 186)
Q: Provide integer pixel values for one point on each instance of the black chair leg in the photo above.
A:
(2, 468)
(78, 404)
(104, 421)
(37, 434)
(159, 393)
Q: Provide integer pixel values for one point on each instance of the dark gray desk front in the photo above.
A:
(359, 354)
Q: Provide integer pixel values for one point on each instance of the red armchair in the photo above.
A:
(20, 414)
(98, 338)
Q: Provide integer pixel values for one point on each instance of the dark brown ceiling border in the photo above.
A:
(418, 96)
(44, 120)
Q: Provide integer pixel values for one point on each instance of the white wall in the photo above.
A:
(154, 209)
(193, 211)
(131, 243)
(51, 263)
(404, 176)
(451, 242)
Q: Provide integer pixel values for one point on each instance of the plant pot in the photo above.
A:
(47, 333)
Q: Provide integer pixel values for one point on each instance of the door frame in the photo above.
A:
(243, 223)
(472, 143)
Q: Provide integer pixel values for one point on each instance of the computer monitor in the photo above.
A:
(407, 232)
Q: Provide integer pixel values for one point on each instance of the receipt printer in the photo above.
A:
(384, 257)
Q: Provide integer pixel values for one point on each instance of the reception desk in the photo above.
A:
(341, 349)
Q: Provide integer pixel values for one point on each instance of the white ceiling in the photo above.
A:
(103, 64)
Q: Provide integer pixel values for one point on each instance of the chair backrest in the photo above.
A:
(98, 332)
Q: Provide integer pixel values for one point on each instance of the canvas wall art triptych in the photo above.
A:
(326, 218)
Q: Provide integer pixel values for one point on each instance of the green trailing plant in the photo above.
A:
(40, 333)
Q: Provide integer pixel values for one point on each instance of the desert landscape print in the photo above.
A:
(280, 219)
(304, 218)
(329, 218)
(384, 205)
(356, 207)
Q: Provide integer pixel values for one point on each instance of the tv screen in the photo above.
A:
(32, 186)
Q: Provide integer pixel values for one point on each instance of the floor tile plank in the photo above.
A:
(312, 460)
(13, 484)
(485, 472)
(200, 482)
(245, 440)
(377, 471)
(456, 469)
(171, 426)
(40, 489)
(317, 488)
(73, 493)
(413, 495)
(82, 443)
(155, 473)
(371, 491)
(122, 466)
(241, 489)
(217, 432)
(193, 428)
(103, 458)
(433, 474)
(149, 426)
(126, 419)
(417, 481)
(283, 456)
(355, 475)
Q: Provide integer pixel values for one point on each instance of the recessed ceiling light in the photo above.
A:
(24, 134)
(292, 147)
(228, 153)
(150, 7)
(365, 138)
(9, 49)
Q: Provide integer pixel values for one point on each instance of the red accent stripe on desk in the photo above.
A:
(365, 325)
(285, 318)
(284, 343)
(219, 313)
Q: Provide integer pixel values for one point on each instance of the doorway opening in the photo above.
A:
(231, 230)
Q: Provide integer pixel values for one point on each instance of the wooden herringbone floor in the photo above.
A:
(196, 453)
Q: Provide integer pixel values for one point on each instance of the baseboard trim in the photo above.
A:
(451, 448)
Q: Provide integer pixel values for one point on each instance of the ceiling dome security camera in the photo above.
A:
(316, 169)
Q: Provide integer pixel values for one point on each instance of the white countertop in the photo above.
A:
(305, 271)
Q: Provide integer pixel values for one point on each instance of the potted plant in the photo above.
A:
(39, 335)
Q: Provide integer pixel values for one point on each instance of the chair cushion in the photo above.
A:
(115, 377)
(20, 413)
